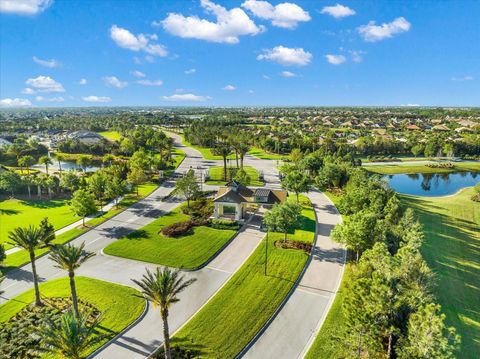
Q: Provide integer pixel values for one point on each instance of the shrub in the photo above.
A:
(177, 229)
(200, 208)
(224, 224)
(307, 247)
(440, 165)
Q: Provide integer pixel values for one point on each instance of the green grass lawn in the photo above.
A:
(15, 213)
(111, 135)
(216, 176)
(20, 258)
(111, 299)
(189, 251)
(239, 310)
(264, 155)
(416, 168)
(451, 249)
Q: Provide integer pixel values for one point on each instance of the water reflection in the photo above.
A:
(432, 184)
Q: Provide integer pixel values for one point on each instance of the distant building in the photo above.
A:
(232, 200)
(86, 137)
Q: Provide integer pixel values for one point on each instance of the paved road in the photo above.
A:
(292, 331)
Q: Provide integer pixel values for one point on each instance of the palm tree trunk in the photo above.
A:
(71, 276)
(241, 160)
(166, 337)
(46, 169)
(39, 191)
(224, 168)
(38, 301)
(60, 168)
(236, 157)
(29, 192)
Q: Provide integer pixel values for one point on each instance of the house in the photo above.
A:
(86, 137)
(232, 200)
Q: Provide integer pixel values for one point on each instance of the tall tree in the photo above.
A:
(161, 288)
(26, 162)
(115, 188)
(83, 204)
(9, 181)
(60, 158)
(136, 177)
(31, 238)
(283, 217)
(296, 182)
(70, 258)
(83, 161)
(223, 149)
(72, 335)
(187, 187)
(46, 161)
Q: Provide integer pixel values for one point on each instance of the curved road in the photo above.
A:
(142, 338)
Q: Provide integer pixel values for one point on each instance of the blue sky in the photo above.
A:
(232, 53)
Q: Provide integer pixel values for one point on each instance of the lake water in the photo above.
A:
(66, 166)
(432, 184)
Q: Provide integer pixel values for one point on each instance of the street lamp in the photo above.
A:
(266, 252)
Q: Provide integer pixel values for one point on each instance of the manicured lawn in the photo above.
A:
(326, 344)
(15, 213)
(206, 152)
(414, 168)
(238, 311)
(216, 176)
(111, 135)
(451, 249)
(20, 258)
(189, 251)
(258, 152)
(111, 299)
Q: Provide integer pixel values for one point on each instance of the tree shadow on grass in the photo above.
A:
(9, 212)
(43, 204)
(138, 234)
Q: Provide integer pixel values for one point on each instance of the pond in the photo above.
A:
(432, 184)
(66, 166)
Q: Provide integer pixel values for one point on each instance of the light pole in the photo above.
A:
(266, 252)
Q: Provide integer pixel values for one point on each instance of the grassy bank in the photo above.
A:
(216, 176)
(264, 155)
(419, 168)
(452, 246)
(239, 310)
(111, 299)
(111, 135)
(189, 251)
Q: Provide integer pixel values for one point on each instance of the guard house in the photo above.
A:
(232, 200)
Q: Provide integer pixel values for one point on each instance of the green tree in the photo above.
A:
(242, 177)
(31, 238)
(70, 258)
(108, 160)
(283, 217)
(97, 184)
(83, 161)
(26, 162)
(72, 335)
(357, 232)
(115, 188)
(223, 149)
(428, 337)
(417, 150)
(161, 288)
(9, 181)
(60, 158)
(83, 204)
(46, 161)
(187, 187)
(3, 255)
(296, 182)
(136, 177)
(69, 181)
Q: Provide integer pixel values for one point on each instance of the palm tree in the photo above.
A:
(31, 238)
(25, 162)
(223, 149)
(70, 258)
(60, 157)
(45, 160)
(161, 289)
(71, 335)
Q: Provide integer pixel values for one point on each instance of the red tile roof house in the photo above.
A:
(232, 200)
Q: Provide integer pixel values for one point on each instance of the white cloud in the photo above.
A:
(266, 77)
(15, 102)
(150, 82)
(96, 99)
(137, 73)
(44, 84)
(357, 55)
(372, 32)
(28, 91)
(338, 11)
(187, 97)
(141, 42)
(229, 25)
(82, 82)
(286, 56)
(251, 92)
(24, 7)
(288, 74)
(190, 71)
(462, 78)
(335, 59)
(229, 88)
(114, 82)
(286, 15)
(47, 63)
(49, 99)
